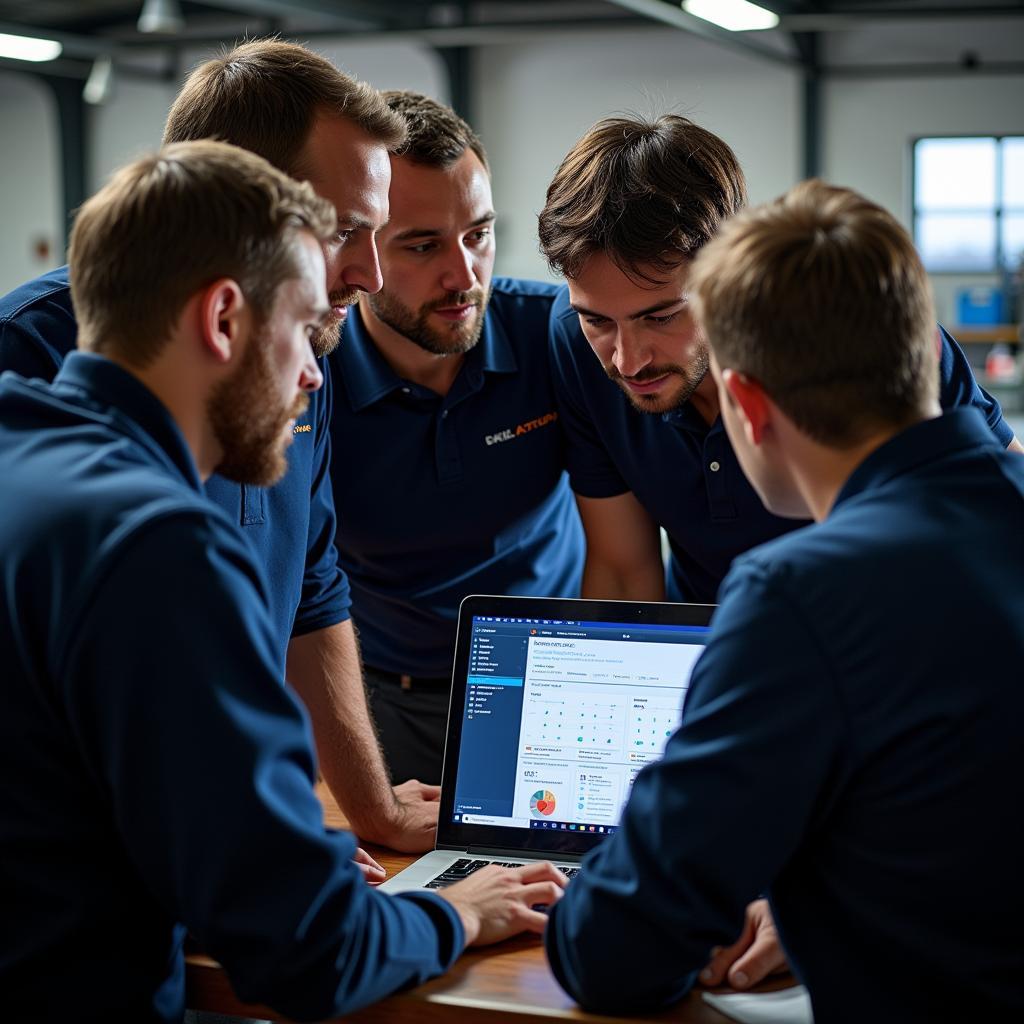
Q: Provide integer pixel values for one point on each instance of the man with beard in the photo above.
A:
(448, 457)
(159, 776)
(297, 110)
(850, 740)
(628, 209)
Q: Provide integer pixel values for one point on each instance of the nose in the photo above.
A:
(310, 377)
(361, 269)
(458, 274)
(629, 356)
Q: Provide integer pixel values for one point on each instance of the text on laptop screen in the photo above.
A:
(560, 716)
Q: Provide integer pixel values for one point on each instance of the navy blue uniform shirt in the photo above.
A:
(850, 744)
(438, 497)
(158, 775)
(290, 525)
(682, 471)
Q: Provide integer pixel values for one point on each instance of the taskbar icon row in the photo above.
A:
(573, 826)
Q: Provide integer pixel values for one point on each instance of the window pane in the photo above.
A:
(1013, 240)
(955, 174)
(951, 241)
(1013, 172)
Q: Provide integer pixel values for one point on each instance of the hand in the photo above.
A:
(372, 871)
(495, 903)
(408, 823)
(752, 957)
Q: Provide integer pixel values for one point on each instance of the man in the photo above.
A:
(449, 459)
(160, 776)
(849, 741)
(628, 209)
(296, 109)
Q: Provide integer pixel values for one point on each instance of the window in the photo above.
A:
(969, 203)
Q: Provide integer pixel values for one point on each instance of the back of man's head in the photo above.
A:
(173, 222)
(437, 137)
(265, 95)
(820, 296)
(646, 194)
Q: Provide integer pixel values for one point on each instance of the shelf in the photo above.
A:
(987, 334)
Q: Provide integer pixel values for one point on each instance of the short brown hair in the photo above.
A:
(647, 194)
(264, 95)
(437, 135)
(821, 297)
(170, 223)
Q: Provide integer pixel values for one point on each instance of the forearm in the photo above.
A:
(324, 669)
(604, 581)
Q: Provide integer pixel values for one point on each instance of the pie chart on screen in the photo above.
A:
(542, 803)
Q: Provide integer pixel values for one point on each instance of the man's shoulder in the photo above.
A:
(53, 287)
(524, 289)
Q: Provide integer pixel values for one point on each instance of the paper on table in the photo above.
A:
(787, 1006)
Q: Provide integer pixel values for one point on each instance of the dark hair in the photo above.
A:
(821, 297)
(647, 194)
(437, 136)
(170, 223)
(264, 95)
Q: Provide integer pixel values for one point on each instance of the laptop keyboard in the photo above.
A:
(466, 866)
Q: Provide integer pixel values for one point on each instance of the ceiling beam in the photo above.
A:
(353, 15)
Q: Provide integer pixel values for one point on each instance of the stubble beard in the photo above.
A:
(455, 339)
(686, 381)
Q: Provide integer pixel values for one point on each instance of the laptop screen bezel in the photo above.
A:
(458, 835)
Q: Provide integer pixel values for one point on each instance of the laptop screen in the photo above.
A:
(557, 706)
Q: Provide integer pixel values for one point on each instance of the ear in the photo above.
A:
(224, 317)
(750, 399)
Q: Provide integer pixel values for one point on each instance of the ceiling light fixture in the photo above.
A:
(160, 16)
(100, 83)
(734, 15)
(28, 48)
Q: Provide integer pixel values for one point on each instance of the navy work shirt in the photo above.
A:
(682, 471)
(289, 525)
(157, 774)
(438, 497)
(850, 744)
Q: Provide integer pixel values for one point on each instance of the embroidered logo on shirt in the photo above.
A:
(524, 428)
(303, 428)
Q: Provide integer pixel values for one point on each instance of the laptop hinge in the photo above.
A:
(494, 851)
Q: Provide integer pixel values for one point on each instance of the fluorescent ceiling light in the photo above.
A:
(161, 16)
(100, 83)
(735, 15)
(27, 48)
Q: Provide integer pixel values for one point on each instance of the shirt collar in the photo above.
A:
(132, 407)
(367, 376)
(957, 430)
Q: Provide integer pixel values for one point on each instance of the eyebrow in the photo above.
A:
(355, 221)
(404, 236)
(656, 308)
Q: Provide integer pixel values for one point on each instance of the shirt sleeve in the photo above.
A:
(205, 758)
(707, 828)
(326, 598)
(592, 473)
(958, 386)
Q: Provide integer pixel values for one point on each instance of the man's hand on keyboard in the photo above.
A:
(752, 957)
(495, 903)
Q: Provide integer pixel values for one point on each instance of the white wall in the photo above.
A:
(533, 101)
(30, 186)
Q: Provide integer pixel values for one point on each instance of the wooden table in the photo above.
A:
(509, 983)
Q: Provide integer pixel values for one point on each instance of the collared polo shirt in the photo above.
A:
(290, 525)
(849, 744)
(158, 776)
(438, 497)
(683, 471)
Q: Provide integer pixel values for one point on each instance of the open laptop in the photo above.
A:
(556, 706)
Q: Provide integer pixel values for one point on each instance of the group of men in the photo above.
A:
(298, 410)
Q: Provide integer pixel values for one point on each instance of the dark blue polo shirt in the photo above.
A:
(290, 525)
(157, 774)
(850, 744)
(438, 497)
(682, 471)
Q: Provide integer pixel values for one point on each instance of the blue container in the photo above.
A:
(981, 304)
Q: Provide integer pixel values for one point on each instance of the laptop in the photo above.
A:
(556, 705)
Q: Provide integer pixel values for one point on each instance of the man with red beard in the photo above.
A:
(449, 459)
(297, 110)
(158, 775)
